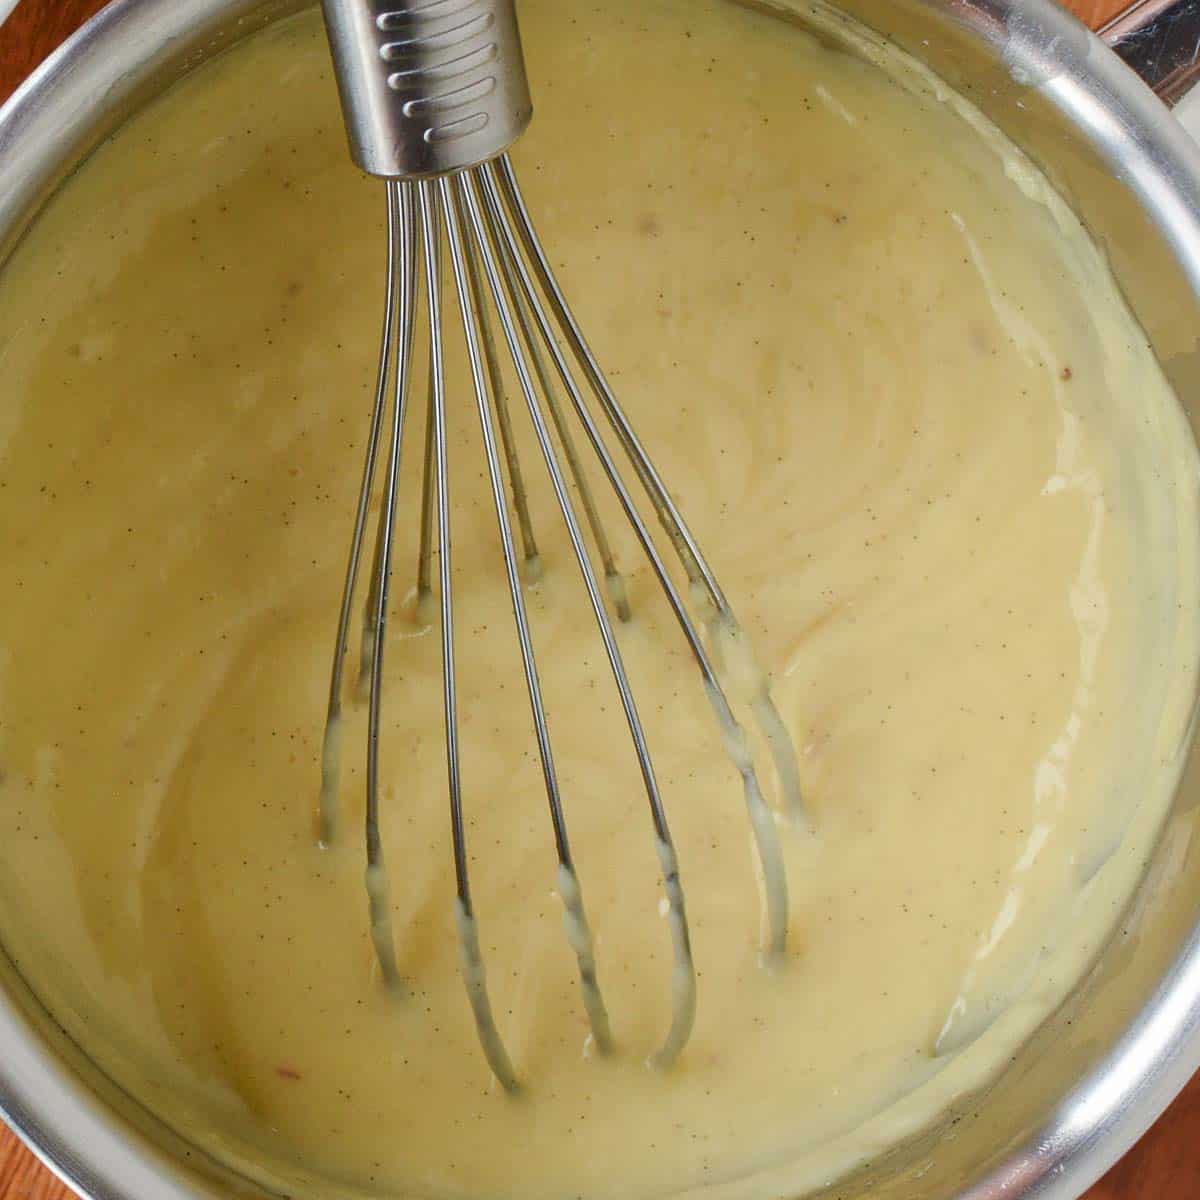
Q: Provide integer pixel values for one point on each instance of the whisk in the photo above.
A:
(434, 93)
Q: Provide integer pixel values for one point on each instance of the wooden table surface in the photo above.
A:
(1165, 1165)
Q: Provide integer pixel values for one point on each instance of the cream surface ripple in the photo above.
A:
(936, 467)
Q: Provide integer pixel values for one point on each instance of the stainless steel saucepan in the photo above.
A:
(1103, 1068)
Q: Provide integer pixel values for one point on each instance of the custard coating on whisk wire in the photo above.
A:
(500, 274)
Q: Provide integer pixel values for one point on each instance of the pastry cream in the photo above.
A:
(928, 450)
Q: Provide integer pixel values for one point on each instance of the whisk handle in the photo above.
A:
(428, 87)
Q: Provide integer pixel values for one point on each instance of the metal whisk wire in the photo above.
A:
(722, 624)
(684, 971)
(481, 216)
(488, 389)
(765, 833)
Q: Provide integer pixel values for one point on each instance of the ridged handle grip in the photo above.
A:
(428, 86)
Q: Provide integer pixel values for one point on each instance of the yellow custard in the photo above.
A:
(928, 451)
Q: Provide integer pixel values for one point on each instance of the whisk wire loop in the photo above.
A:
(499, 272)
(477, 332)
(379, 900)
(500, 175)
(767, 843)
(684, 1008)
(327, 804)
(470, 955)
